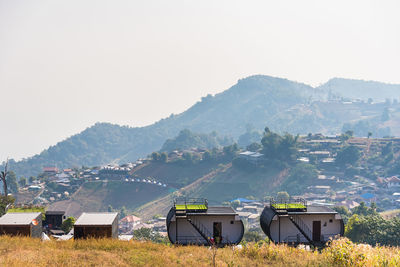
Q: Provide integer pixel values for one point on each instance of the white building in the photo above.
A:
(393, 182)
(129, 222)
(203, 225)
(252, 157)
(310, 225)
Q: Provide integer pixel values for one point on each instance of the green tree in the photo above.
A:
(3, 176)
(32, 179)
(344, 212)
(110, 208)
(276, 147)
(12, 182)
(253, 147)
(235, 203)
(253, 236)
(188, 157)
(270, 143)
(369, 134)
(164, 157)
(364, 210)
(155, 156)
(249, 137)
(67, 225)
(283, 196)
(300, 177)
(5, 201)
(349, 133)
(373, 229)
(22, 181)
(148, 234)
(348, 155)
(288, 149)
(387, 149)
(385, 114)
(230, 151)
(207, 156)
(123, 212)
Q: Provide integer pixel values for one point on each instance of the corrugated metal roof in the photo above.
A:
(18, 218)
(96, 218)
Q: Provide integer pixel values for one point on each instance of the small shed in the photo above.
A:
(21, 223)
(192, 221)
(97, 225)
(54, 219)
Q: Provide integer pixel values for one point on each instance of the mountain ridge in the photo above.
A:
(257, 100)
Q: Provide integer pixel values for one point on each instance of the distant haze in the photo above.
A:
(65, 65)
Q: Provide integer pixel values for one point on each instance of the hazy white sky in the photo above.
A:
(65, 65)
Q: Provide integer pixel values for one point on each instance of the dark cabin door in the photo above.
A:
(316, 230)
(217, 232)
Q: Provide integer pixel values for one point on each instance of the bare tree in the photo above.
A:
(3, 176)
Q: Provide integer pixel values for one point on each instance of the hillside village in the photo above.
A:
(259, 100)
(334, 185)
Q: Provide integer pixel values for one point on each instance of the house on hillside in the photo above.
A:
(21, 223)
(319, 189)
(192, 221)
(113, 173)
(97, 225)
(295, 222)
(251, 209)
(50, 170)
(252, 157)
(128, 223)
(393, 182)
(350, 204)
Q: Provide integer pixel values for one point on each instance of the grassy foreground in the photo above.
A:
(17, 251)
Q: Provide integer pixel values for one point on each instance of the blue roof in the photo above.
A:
(368, 195)
(242, 200)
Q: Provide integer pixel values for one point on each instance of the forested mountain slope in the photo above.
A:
(256, 101)
(359, 89)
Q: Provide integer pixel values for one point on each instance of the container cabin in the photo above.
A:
(96, 225)
(21, 223)
(192, 221)
(292, 221)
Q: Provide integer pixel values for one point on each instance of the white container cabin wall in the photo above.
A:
(330, 226)
(232, 229)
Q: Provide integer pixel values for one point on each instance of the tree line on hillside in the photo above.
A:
(187, 139)
(365, 225)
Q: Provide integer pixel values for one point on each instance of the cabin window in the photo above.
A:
(232, 222)
(330, 220)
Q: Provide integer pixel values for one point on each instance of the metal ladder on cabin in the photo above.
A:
(302, 227)
(180, 214)
(201, 229)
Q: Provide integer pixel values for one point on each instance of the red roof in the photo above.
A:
(130, 218)
(50, 169)
(393, 179)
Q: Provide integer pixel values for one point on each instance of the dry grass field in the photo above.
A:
(16, 251)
